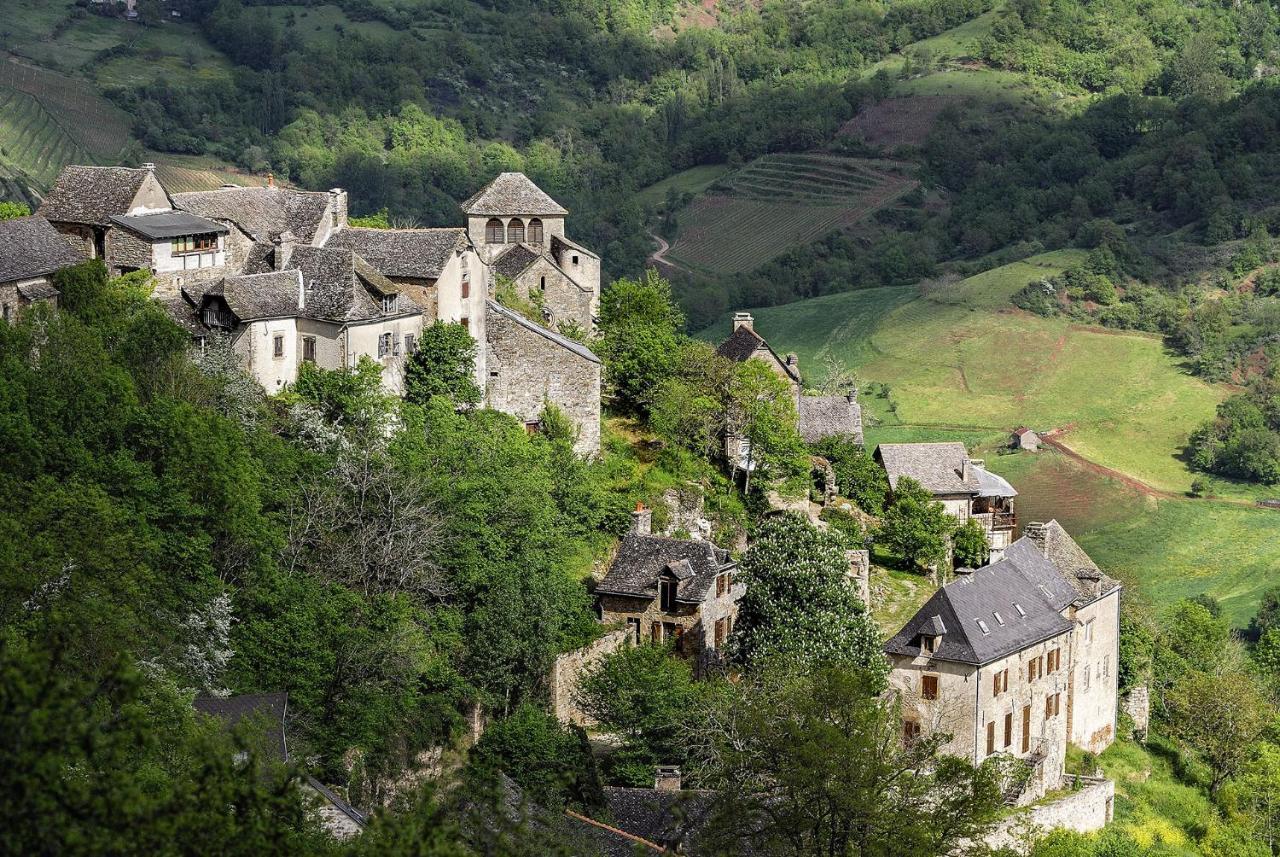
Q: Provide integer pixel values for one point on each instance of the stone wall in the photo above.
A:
(526, 369)
(568, 669)
(1137, 704)
(1095, 650)
(126, 250)
(563, 299)
(1091, 808)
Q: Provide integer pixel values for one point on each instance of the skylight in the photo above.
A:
(1018, 607)
(983, 626)
(999, 618)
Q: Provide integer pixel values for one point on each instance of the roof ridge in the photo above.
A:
(631, 836)
(559, 339)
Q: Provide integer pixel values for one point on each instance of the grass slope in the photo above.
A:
(961, 364)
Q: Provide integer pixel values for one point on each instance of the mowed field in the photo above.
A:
(960, 363)
(778, 202)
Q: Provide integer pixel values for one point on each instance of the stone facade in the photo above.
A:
(1095, 651)
(1137, 704)
(126, 251)
(568, 669)
(528, 366)
(563, 299)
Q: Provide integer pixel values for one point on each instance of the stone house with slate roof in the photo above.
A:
(30, 251)
(263, 717)
(961, 484)
(671, 590)
(519, 232)
(997, 659)
(283, 273)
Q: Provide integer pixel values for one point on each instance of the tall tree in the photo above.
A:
(443, 364)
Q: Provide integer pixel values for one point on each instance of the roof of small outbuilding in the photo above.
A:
(828, 416)
(742, 345)
(91, 195)
(271, 708)
(419, 253)
(31, 247)
(512, 194)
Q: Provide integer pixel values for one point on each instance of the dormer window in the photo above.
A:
(667, 594)
(389, 303)
(928, 644)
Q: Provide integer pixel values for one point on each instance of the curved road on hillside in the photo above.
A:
(659, 256)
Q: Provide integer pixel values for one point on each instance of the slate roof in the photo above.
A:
(514, 261)
(31, 247)
(665, 817)
(1071, 562)
(742, 345)
(338, 803)
(260, 212)
(936, 466)
(827, 416)
(999, 588)
(168, 224)
(270, 707)
(336, 281)
(254, 296)
(641, 559)
(572, 245)
(512, 194)
(91, 195)
(992, 484)
(419, 253)
(38, 291)
(563, 341)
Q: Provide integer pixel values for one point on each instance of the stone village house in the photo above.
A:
(818, 417)
(283, 274)
(1017, 658)
(30, 251)
(965, 488)
(671, 590)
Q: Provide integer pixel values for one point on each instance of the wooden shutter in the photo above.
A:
(991, 737)
(655, 632)
(1026, 728)
(929, 687)
(1008, 729)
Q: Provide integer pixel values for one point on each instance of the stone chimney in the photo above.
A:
(283, 244)
(271, 179)
(743, 319)
(338, 204)
(1038, 533)
(966, 469)
(666, 778)
(642, 522)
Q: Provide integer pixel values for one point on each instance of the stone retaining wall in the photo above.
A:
(567, 672)
(1083, 811)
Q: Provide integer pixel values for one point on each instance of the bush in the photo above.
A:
(552, 763)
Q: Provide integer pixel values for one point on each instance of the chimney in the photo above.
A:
(963, 571)
(283, 243)
(642, 520)
(338, 204)
(271, 179)
(743, 319)
(1038, 533)
(966, 470)
(666, 778)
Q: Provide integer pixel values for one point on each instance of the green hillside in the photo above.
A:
(958, 363)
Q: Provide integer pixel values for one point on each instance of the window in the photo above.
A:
(1008, 730)
(1021, 612)
(384, 344)
(722, 632)
(531, 427)
(983, 626)
(929, 687)
(575, 259)
(655, 632)
(672, 631)
(493, 232)
(1000, 682)
(1053, 660)
(1048, 705)
(277, 345)
(633, 629)
(515, 231)
(722, 584)
(466, 286)
(667, 594)
(535, 231)
(910, 732)
(1032, 669)
(466, 323)
(395, 346)
(1088, 631)
(194, 244)
(542, 284)
(6, 312)
(1026, 728)
(1106, 666)
(309, 349)
(991, 737)
(389, 303)
(1086, 676)
(410, 343)
(999, 618)
(928, 644)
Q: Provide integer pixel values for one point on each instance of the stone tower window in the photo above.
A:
(493, 232)
(515, 231)
(535, 231)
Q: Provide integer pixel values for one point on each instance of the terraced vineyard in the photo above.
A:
(182, 173)
(778, 202)
(33, 146)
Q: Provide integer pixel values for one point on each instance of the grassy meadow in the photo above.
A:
(953, 360)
